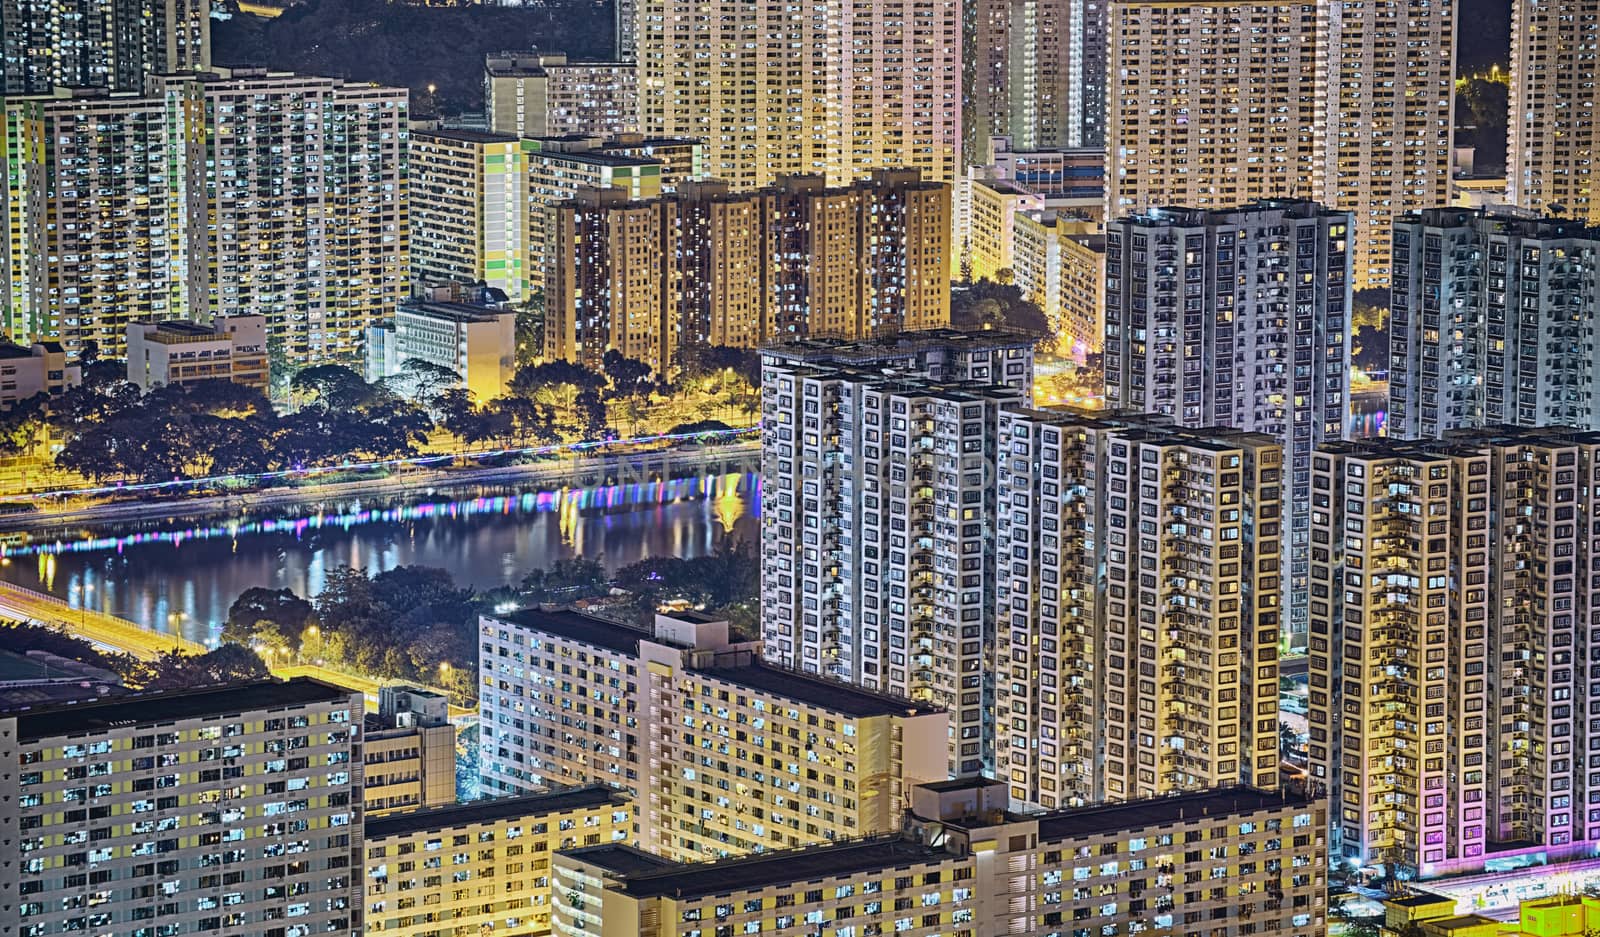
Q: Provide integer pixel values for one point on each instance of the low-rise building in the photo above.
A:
(476, 341)
(1425, 914)
(410, 752)
(233, 811)
(1227, 862)
(481, 867)
(29, 370)
(230, 348)
(724, 755)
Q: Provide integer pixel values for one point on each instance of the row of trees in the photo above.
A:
(229, 663)
(112, 431)
(415, 623)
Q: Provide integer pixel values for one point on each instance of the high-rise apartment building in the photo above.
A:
(1386, 141)
(317, 242)
(1450, 605)
(1491, 316)
(966, 867)
(469, 205)
(1136, 657)
(232, 811)
(49, 44)
(1036, 72)
(878, 535)
(1551, 138)
(533, 94)
(837, 88)
(104, 195)
(481, 867)
(181, 203)
(1218, 104)
(1236, 318)
(708, 265)
(1212, 104)
(723, 754)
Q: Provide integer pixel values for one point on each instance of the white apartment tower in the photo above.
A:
(1555, 92)
(1216, 104)
(830, 87)
(1490, 318)
(1450, 602)
(231, 811)
(1236, 318)
(878, 463)
(1139, 603)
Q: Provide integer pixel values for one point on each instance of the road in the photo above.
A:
(106, 631)
(121, 635)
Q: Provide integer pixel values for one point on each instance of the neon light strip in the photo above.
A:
(300, 472)
(632, 495)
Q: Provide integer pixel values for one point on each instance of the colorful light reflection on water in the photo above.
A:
(184, 578)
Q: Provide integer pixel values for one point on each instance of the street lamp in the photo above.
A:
(84, 591)
(313, 632)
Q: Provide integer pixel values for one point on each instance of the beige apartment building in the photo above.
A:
(722, 754)
(103, 44)
(711, 265)
(836, 88)
(1224, 863)
(233, 811)
(481, 867)
(1059, 264)
(27, 371)
(177, 351)
(1218, 104)
(1447, 698)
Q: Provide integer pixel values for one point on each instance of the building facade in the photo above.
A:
(1035, 71)
(76, 272)
(409, 752)
(1490, 314)
(1448, 600)
(1351, 106)
(1211, 104)
(1550, 140)
(481, 867)
(532, 94)
(469, 204)
(1096, 701)
(709, 265)
(826, 89)
(878, 470)
(27, 371)
(233, 348)
(722, 754)
(965, 867)
(231, 811)
(1237, 318)
(476, 341)
(49, 44)
(199, 157)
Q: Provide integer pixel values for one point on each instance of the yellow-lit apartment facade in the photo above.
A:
(722, 754)
(481, 867)
(1448, 600)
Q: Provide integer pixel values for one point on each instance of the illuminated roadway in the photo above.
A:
(123, 636)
